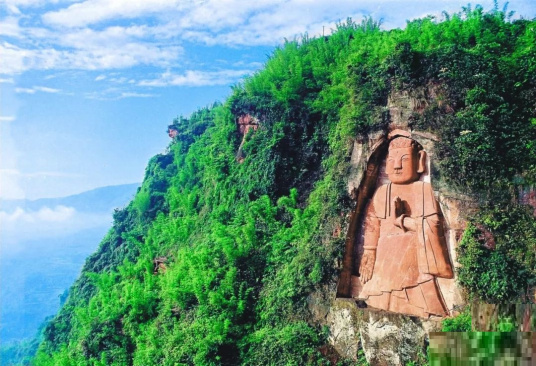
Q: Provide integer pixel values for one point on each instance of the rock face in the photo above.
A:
(367, 173)
(391, 339)
(245, 123)
(172, 132)
(404, 242)
(344, 336)
(387, 338)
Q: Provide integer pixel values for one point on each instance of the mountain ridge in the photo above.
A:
(105, 197)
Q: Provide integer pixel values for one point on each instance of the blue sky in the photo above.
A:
(88, 87)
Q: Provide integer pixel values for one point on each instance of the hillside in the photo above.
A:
(215, 260)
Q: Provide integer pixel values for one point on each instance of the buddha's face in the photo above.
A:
(402, 165)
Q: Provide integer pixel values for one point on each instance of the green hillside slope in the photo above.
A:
(241, 245)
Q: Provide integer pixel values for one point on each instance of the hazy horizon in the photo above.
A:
(43, 245)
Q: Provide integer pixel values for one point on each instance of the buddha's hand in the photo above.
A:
(401, 219)
(367, 265)
(399, 207)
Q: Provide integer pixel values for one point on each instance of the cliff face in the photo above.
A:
(219, 261)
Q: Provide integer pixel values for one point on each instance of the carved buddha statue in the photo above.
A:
(404, 244)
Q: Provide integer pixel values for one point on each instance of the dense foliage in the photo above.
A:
(504, 270)
(459, 323)
(242, 245)
(479, 348)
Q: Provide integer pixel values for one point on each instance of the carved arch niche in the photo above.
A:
(368, 165)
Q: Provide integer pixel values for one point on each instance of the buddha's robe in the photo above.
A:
(407, 262)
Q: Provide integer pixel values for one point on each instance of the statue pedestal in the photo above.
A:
(394, 339)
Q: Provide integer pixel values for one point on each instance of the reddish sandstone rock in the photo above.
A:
(245, 123)
(159, 265)
(172, 132)
(404, 243)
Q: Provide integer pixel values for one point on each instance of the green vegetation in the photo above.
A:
(480, 348)
(246, 243)
(506, 271)
(459, 323)
(506, 325)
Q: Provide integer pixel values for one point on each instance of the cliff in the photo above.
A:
(254, 247)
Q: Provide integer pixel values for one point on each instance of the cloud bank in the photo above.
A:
(44, 215)
(104, 34)
(20, 225)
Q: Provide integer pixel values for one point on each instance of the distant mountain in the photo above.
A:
(96, 200)
(43, 248)
(33, 279)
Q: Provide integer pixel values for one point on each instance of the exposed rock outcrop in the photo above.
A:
(245, 124)
(392, 339)
(159, 264)
(172, 132)
(387, 338)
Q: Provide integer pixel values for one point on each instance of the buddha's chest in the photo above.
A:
(407, 200)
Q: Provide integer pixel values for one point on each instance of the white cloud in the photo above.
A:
(115, 36)
(117, 94)
(84, 48)
(94, 11)
(12, 60)
(7, 118)
(120, 80)
(45, 89)
(7, 81)
(227, 22)
(197, 78)
(35, 89)
(92, 35)
(12, 9)
(26, 3)
(25, 90)
(100, 77)
(136, 95)
(45, 214)
(21, 224)
(254, 64)
(58, 214)
(10, 27)
(16, 59)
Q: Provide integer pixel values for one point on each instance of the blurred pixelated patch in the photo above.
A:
(482, 348)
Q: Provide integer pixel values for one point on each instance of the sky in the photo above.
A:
(88, 87)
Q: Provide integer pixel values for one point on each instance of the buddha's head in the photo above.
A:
(405, 161)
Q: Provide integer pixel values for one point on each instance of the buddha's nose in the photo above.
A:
(398, 164)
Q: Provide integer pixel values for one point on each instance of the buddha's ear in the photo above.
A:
(422, 162)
